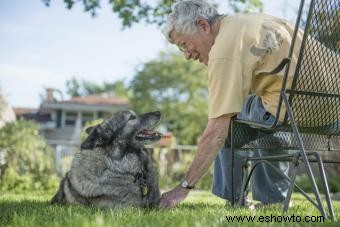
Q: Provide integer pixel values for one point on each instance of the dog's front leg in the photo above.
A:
(153, 194)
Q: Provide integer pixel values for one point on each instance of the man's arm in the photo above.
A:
(211, 142)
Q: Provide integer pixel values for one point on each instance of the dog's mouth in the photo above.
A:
(148, 134)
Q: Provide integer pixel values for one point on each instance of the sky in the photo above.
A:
(45, 46)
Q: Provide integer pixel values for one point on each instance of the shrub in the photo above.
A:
(171, 173)
(30, 164)
(304, 183)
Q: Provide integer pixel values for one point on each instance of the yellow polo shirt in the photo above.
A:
(246, 46)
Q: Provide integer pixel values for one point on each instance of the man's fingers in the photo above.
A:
(163, 203)
(168, 200)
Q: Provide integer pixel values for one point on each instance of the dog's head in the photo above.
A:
(126, 127)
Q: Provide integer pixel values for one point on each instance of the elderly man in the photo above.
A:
(239, 51)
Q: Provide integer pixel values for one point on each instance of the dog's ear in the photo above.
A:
(102, 134)
(89, 129)
(93, 140)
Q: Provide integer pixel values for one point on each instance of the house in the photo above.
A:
(61, 121)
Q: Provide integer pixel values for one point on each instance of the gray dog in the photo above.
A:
(113, 169)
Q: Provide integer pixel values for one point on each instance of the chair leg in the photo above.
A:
(304, 157)
(324, 183)
(247, 176)
(242, 199)
(292, 183)
(232, 162)
(286, 158)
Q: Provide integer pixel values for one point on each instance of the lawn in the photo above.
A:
(200, 209)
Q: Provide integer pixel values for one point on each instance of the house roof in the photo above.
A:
(100, 102)
(86, 103)
(22, 110)
(96, 100)
(32, 114)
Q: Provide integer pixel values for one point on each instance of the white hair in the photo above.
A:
(184, 15)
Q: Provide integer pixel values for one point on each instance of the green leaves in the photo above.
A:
(178, 89)
(84, 88)
(246, 6)
(136, 11)
(30, 160)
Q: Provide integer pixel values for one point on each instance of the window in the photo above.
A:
(85, 117)
(70, 118)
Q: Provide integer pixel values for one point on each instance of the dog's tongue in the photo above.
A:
(148, 132)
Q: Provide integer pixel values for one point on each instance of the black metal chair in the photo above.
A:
(312, 118)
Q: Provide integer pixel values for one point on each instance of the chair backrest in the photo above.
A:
(315, 93)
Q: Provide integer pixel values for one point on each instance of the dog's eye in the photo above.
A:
(132, 117)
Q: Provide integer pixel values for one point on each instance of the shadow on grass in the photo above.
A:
(42, 210)
(23, 206)
(195, 206)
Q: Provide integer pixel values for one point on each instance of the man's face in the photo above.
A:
(194, 46)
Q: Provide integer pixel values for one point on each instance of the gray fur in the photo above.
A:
(113, 169)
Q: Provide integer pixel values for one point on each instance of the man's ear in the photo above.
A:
(203, 25)
(93, 140)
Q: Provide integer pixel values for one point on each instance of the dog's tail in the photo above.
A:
(59, 197)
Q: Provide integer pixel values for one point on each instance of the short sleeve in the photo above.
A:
(246, 45)
(226, 87)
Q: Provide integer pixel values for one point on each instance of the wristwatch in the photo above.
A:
(185, 184)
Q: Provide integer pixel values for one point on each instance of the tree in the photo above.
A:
(246, 6)
(178, 89)
(134, 11)
(328, 28)
(325, 26)
(29, 159)
(6, 112)
(75, 87)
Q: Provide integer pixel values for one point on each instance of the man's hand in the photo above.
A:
(212, 140)
(172, 198)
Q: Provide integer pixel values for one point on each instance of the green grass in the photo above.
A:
(200, 209)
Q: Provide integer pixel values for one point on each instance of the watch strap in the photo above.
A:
(185, 184)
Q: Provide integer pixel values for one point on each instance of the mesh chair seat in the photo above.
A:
(247, 137)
